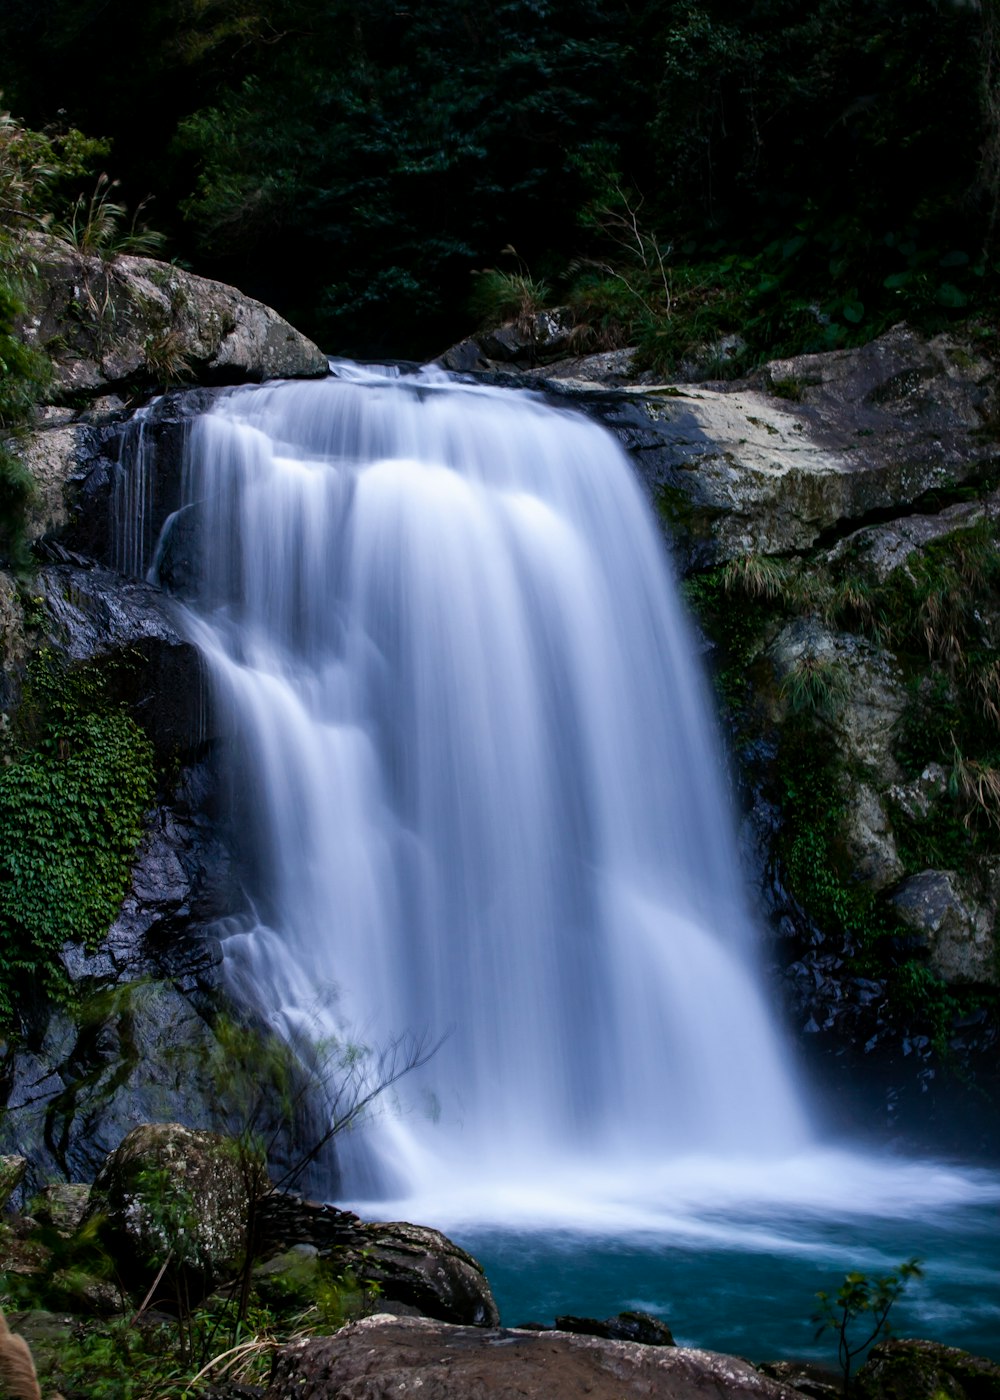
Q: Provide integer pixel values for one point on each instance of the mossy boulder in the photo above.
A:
(902, 1369)
(170, 1193)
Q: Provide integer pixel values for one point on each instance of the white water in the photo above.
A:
(481, 780)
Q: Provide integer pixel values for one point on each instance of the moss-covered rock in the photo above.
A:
(170, 1195)
(902, 1369)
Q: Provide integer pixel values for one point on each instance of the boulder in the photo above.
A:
(384, 1356)
(421, 1267)
(170, 1191)
(902, 1369)
(114, 324)
(623, 1327)
(412, 1265)
(529, 340)
(859, 693)
(958, 931)
(95, 614)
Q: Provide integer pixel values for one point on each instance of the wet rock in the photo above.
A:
(385, 1356)
(610, 368)
(95, 614)
(901, 1369)
(623, 1327)
(145, 322)
(138, 1052)
(819, 1382)
(422, 1267)
(958, 932)
(530, 340)
(167, 1190)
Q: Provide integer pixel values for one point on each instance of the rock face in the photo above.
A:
(806, 447)
(385, 1356)
(169, 1191)
(113, 324)
(957, 930)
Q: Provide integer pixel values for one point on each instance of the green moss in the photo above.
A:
(71, 809)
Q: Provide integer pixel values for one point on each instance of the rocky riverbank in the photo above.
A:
(182, 1246)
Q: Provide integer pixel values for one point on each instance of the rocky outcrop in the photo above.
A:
(409, 1264)
(121, 323)
(623, 1327)
(423, 1268)
(808, 446)
(140, 1047)
(530, 340)
(385, 1356)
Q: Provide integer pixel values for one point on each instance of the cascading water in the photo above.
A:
(486, 798)
(480, 784)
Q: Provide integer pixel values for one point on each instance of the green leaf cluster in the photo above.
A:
(861, 1296)
(71, 809)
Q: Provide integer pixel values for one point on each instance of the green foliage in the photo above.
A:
(71, 808)
(759, 576)
(340, 1299)
(816, 685)
(96, 225)
(925, 999)
(860, 1296)
(804, 177)
(506, 296)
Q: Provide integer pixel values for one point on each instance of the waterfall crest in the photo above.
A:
(479, 773)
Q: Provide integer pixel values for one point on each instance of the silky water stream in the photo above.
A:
(480, 784)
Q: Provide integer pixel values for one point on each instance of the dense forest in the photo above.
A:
(675, 171)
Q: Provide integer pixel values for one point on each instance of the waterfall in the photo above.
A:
(479, 780)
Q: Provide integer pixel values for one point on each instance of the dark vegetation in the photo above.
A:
(676, 170)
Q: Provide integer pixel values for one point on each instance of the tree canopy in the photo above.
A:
(808, 173)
